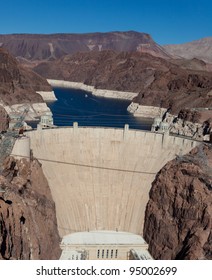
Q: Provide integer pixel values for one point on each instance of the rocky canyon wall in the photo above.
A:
(28, 226)
(178, 218)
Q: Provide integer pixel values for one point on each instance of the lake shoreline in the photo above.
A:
(98, 92)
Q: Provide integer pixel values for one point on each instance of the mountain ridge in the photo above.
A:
(201, 49)
(52, 46)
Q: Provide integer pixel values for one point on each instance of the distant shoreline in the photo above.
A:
(98, 92)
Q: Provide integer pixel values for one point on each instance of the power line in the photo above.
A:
(89, 166)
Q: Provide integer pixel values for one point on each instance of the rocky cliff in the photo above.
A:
(178, 218)
(28, 227)
(18, 84)
(177, 88)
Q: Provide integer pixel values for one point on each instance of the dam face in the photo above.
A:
(100, 177)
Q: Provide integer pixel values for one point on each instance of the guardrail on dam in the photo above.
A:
(100, 177)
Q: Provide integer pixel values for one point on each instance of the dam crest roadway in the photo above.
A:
(100, 178)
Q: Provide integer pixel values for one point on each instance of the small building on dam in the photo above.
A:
(100, 180)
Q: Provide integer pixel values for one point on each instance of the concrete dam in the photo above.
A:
(100, 177)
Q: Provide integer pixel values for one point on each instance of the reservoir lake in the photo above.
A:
(90, 110)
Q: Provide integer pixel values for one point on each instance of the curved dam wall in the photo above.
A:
(100, 177)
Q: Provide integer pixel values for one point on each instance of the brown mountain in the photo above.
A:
(159, 82)
(201, 49)
(178, 218)
(18, 84)
(35, 47)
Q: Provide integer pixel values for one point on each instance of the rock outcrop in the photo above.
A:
(4, 119)
(28, 227)
(188, 123)
(18, 84)
(188, 129)
(178, 218)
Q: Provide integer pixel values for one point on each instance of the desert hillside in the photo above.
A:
(17, 83)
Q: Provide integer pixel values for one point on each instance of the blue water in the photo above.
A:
(88, 110)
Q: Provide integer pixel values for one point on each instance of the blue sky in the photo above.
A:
(168, 21)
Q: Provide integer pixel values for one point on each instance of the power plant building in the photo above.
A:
(104, 245)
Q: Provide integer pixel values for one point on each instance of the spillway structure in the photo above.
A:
(100, 178)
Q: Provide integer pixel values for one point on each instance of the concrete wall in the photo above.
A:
(21, 148)
(100, 177)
